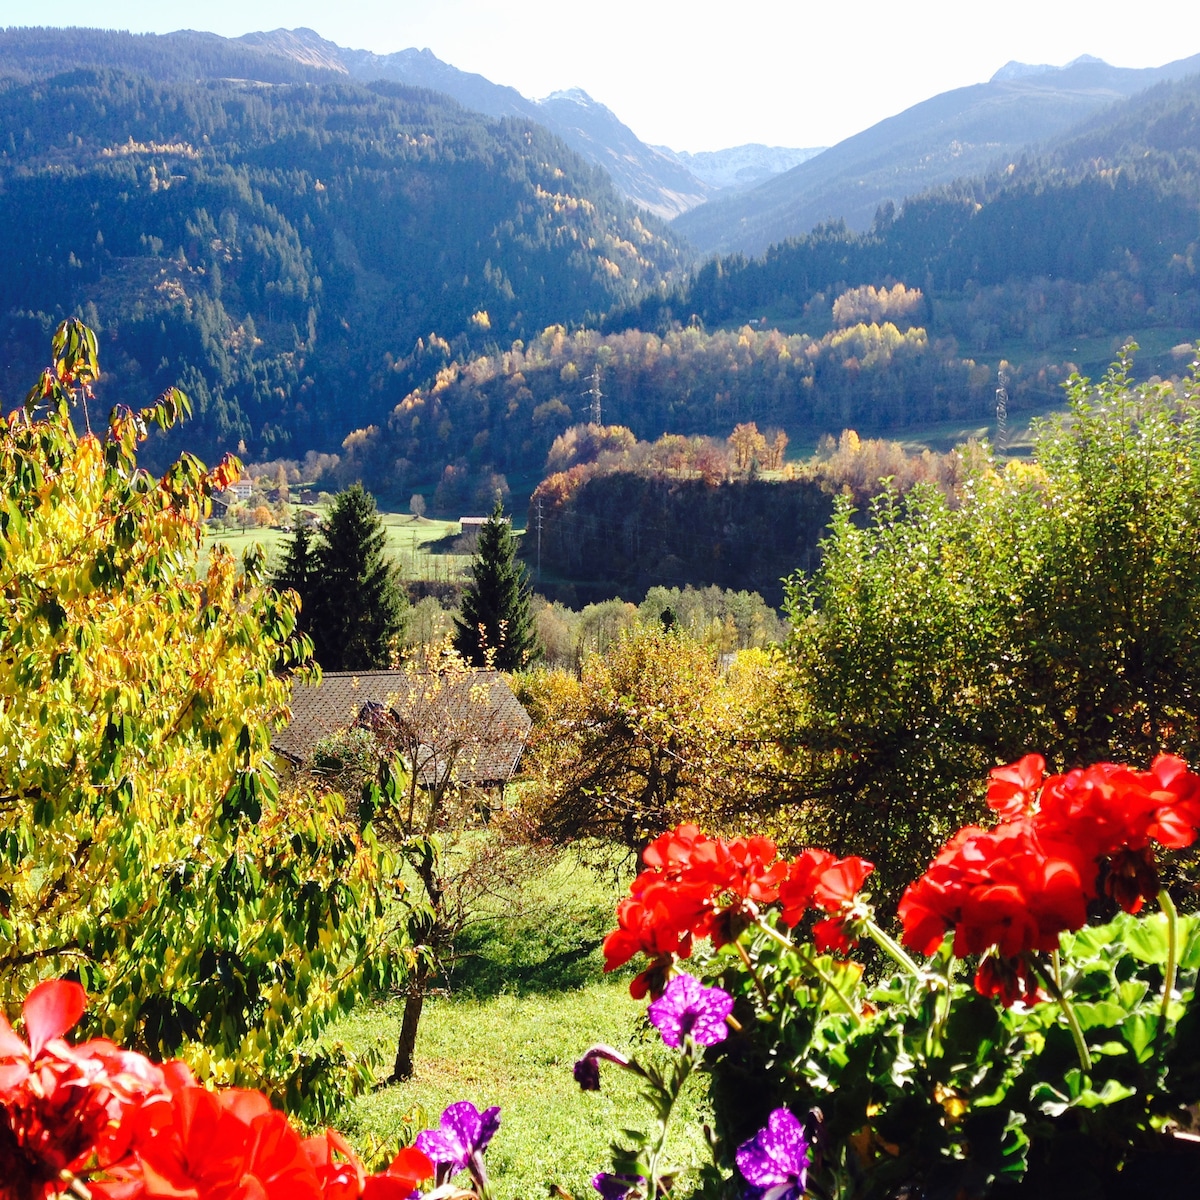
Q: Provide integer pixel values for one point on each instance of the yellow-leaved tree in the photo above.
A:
(144, 847)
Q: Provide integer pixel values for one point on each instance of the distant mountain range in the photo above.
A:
(327, 247)
(658, 179)
(650, 178)
(741, 166)
(956, 134)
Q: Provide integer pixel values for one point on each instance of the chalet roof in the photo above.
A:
(476, 708)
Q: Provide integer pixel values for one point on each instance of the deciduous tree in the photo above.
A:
(144, 848)
(1053, 607)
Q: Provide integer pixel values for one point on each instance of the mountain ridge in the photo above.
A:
(657, 182)
(955, 134)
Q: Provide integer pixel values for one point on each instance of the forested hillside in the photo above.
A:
(617, 514)
(502, 412)
(653, 178)
(286, 253)
(1093, 235)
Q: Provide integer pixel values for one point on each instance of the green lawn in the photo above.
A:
(408, 539)
(527, 1000)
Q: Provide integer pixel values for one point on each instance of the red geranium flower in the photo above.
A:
(1008, 979)
(399, 1181)
(64, 1108)
(1106, 816)
(202, 1145)
(816, 879)
(1013, 790)
(995, 887)
(694, 886)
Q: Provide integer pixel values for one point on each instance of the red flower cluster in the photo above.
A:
(1106, 817)
(819, 880)
(700, 886)
(1064, 840)
(996, 887)
(133, 1129)
(696, 886)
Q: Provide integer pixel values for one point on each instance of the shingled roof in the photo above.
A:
(479, 706)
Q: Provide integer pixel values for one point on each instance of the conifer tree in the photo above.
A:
(297, 572)
(356, 604)
(495, 623)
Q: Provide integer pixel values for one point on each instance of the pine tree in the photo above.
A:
(495, 622)
(358, 607)
(298, 572)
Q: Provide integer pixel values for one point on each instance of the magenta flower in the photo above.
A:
(458, 1144)
(688, 1007)
(774, 1162)
(587, 1069)
(615, 1187)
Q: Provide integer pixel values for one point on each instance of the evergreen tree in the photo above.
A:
(358, 606)
(298, 572)
(496, 621)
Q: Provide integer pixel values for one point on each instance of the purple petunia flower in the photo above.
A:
(615, 1187)
(587, 1069)
(461, 1139)
(774, 1162)
(688, 1007)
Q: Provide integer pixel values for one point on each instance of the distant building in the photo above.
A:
(475, 522)
(242, 490)
(469, 723)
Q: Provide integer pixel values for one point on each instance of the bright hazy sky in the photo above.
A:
(701, 75)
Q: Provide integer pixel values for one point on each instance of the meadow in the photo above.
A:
(408, 542)
(523, 1001)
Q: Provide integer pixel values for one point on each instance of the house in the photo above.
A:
(479, 522)
(241, 491)
(467, 724)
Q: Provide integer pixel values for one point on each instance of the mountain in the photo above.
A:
(648, 177)
(1061, 255)
(644, 174)
(296, 256)
(741, 166)
(182, 57)
(950, 136)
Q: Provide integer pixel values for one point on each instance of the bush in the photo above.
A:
(1054, 605)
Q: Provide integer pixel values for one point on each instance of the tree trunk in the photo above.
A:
(413, 1005)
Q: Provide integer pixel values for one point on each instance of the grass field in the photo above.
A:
(408, 539)
(525, 1001)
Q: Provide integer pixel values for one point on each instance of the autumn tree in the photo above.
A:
(146, 849)
(495, 625)
(425, 756)
(652, 733)
(774, 450)
(748, 446)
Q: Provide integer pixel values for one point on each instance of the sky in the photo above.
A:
(700, 75)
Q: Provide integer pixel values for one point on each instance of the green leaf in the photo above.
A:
(1139, 1031)
(1147, 938)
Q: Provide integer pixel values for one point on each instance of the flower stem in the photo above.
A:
(1168, 907)
(758, 983)
(1068, 1011)
(811, 964)
(653, 1185)
(890, 946)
